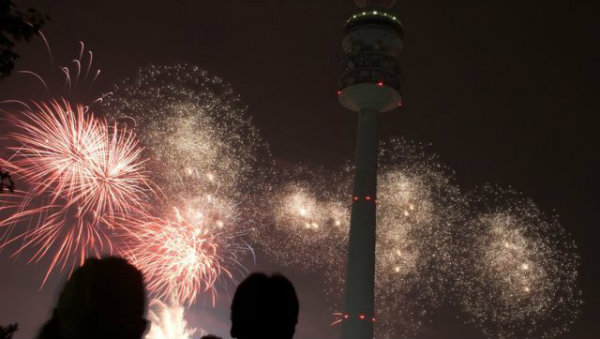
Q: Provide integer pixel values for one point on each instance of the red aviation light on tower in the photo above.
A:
(380, 83)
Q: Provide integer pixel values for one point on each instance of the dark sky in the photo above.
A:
(506, 92)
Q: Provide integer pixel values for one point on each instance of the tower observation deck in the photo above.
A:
(369, 85)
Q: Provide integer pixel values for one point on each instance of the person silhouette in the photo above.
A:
(104, 298)
(264, 307)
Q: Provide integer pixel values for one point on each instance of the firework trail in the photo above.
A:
(168, 322)
(203, 154)
(520, 268)
(74, 80)
(83, 171)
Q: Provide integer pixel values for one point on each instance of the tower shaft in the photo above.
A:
(359, 292)
(369, 85)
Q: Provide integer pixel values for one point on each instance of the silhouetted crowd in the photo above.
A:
(106, 298)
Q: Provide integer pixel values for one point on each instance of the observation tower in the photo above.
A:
(369, 85)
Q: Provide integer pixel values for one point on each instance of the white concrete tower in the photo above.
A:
(369, 85)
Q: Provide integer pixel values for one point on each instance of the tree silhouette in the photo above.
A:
(15, 26)
(6, 332)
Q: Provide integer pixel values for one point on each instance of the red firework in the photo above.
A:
(184, 255)
(82, 173)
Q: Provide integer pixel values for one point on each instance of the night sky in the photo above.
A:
(505, 91)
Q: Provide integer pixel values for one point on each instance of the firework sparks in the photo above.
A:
(195, 130)
(188, 253)
(168, 322)
(309, 217)
(520, 269)
(86, 172)
(202, 150)
(417, 204)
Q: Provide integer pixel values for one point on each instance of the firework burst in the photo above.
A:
(185, 255)
(309, 215)
(82, 174)
(519, 268)
(195, 130)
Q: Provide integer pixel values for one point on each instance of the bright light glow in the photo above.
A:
(168, 321)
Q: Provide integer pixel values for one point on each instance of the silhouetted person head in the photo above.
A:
(104, 298)
(264, 307)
